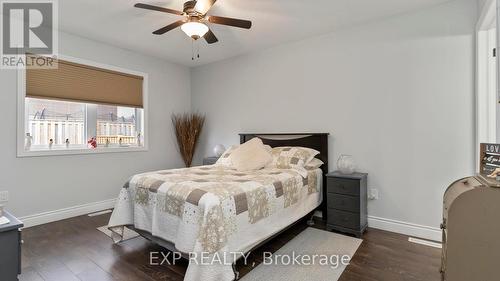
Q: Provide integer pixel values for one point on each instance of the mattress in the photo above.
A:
(215, 211)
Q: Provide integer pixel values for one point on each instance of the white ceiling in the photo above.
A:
(275, 22)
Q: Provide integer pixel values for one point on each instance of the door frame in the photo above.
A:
(486, 107)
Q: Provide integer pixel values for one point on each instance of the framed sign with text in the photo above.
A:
(489, 163)
(489, 155)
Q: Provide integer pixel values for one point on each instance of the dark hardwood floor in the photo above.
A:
(73, 249)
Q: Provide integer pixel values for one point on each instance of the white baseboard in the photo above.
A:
(406, 228)
(61, 214)
(401, 227)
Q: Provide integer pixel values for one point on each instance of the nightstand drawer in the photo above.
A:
(343, 218)
(10, 245)
(210, 160)
(343, 202)
(343, 186)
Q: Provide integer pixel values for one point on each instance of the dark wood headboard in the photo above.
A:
(318, 141)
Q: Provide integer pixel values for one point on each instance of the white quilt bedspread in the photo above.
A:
(214, 211)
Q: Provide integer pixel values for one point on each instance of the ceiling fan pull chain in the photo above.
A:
(192, 49)
(198, 48)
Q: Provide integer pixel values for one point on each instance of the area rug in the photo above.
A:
(310, 242)
(128, 234)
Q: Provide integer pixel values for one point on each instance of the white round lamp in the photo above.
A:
(219, 150)
(194, 29)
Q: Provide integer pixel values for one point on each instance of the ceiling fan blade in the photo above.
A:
(210, 37)
(169, 27)
(202, 6)
(160, 9)
(231, 22)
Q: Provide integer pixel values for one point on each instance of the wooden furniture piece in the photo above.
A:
(347, 202)
(210, 160)
(10, 248)
(318, 141)
(471, 231)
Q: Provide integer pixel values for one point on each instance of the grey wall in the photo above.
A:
(41, 184)
(398, 94)
(481, 4)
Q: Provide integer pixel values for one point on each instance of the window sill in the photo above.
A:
(78, 151)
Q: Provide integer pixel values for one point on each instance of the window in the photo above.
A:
(61, 125)
(118, 125)
(55, 120)
(61, 111)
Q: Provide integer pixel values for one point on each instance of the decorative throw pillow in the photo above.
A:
(268, 148)
(288, 157)
(250, 156)
(225, 158)
(314, 164)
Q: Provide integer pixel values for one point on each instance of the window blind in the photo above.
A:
(83, 83)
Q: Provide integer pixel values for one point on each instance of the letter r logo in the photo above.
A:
(27, 27)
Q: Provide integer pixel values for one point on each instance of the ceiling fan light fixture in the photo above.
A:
(194, 29)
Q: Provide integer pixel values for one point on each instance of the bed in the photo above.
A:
(214, 215)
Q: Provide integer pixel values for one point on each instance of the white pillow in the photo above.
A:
(314, 164)
(268, 148)
(225, 158)
(250, 156)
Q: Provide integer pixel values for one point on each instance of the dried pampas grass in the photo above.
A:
(187, 128)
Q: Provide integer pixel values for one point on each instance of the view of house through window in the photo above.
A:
(117, 125)
(53, 124)
(56, 121)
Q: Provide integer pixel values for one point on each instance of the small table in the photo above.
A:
(10, 245)
(346, 202)
(210, 160)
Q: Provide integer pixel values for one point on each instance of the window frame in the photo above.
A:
(22, 117)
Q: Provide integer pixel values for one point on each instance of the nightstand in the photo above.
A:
(346, 202)
(210, 160)
(10, 245)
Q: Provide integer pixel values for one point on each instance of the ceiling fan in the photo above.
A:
(195, 20)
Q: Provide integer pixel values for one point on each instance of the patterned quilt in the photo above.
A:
(202, 209)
